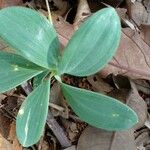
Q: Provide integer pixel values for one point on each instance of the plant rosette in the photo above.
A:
(37, 54)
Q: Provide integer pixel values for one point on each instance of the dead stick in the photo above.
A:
(51, 122)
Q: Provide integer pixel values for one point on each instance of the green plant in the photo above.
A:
(37, 54)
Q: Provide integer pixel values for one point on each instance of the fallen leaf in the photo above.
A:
(143, 86)
(138, 13)
(13, 138)
(129, 95)
(142, 138)
(97, 139)
(132, 57)
(98, 84)
(62, 7)
(146, 31)
(64, 30)
(4, 144)
(147, 123)
(43, 145)
(147, 4)
(6, 3)
(4, 125)
(83, 11)
(136, 102)
(71, 148)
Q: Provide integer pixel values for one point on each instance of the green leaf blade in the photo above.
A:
(93, 44)
(32, 115)
(39, 79)
(99, 110)
(14, 70)
(31, 35)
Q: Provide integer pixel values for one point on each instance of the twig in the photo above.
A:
(113, 140)
(51, 122)
(49, 12)
(57, 107)
(132, 70)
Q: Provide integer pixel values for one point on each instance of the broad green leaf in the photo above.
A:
(39, 79)
(99, 110)
(32, 115)
(92, 45)
(14, 70)
(31, 35)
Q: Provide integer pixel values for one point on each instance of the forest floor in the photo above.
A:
(126, 77)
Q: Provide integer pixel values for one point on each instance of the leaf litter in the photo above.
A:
(132, 60)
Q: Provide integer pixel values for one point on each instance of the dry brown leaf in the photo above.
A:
(146, 31)
(147, 123)
(43, 145)
(71, 148)
(64, 29)
(4, 144)
(4, 125)
(13, 138)
(139, 13)
(130, 96)
(142, 138)
(97, 139)
(71, 129)
(136, 102)
(132, 57)
(62, 6)
(98, 84)
(121, 12)
(147, 4)
(143, 86)
(6, 3)
(83, 11)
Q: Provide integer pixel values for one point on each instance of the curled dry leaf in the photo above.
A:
(142, 138)
(147, 4)
(136, 102)
(97, 139)
(132, 57)
(146, 31)
(129, 95)
(139, 13)
(121, 12)
(143, 86)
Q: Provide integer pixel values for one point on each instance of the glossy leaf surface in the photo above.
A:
(99, 110)
(32, 115)
(30, 34)
(92, 45)
(39, 79)
(14, 70)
